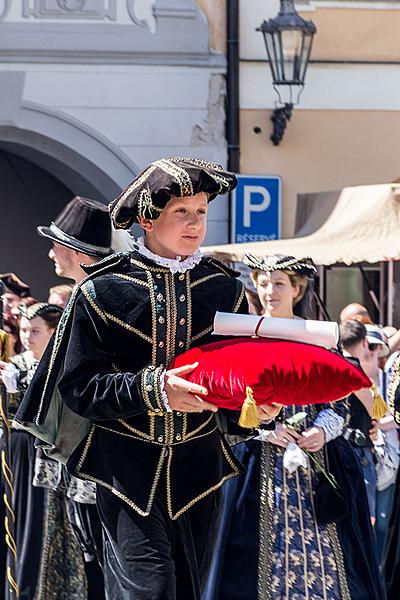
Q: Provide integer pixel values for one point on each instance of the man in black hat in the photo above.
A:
(81, 234)
(150, 439)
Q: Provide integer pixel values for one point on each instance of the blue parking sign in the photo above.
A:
(256, 209)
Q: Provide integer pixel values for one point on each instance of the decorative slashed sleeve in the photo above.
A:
(331, 422)
(393, 393)
(89, 384)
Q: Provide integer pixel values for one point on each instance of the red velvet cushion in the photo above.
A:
(277, 371)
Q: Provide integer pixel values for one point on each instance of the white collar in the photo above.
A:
(175, 265)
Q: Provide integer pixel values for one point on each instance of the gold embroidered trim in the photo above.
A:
(203, 279)
(146, 268)
(133, 186)
(219, 266)
(337, 551)
(239, 301)
(267, 502)
(141, 434)
(94, 305)
(132, 279)
(149, 387)
(168, 319)
(179, 174)
(202, 333)
(144, 437)
(128, 327)
(172, 321)
(59, 333)
(394, 382)
(300, 507)
(316, 528)
(188, 312)
(194, 431)
(153, 318)
(142, 513)
(180, 512)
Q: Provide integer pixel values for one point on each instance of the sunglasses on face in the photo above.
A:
(373, 347)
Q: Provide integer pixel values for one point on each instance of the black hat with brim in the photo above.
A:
(14, 285)
(83, 225)
(163, 179)
(281, 262)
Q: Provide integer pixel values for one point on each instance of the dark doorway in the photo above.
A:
(30, 196)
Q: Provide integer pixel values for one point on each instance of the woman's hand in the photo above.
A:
(312, 439)
(182, 394)
(282, 436)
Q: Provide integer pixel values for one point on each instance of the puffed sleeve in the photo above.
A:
(332, 418)
(89, 384)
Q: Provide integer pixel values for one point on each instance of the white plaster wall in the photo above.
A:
(147, 112)
(328, 87)
(142, 9)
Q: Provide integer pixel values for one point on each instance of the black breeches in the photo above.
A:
(155, 558)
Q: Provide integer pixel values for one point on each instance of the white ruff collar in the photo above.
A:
(175, 265)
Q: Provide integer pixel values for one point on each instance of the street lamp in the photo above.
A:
(288, 40)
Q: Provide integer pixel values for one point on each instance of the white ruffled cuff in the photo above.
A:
(9, 376)
(331, 423)
(163, 393)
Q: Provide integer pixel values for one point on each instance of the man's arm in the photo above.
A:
(90, 386)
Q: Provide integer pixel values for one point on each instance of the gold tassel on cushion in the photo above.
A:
(379, 406)
(248, 415)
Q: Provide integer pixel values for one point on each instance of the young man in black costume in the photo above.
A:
(153, 446)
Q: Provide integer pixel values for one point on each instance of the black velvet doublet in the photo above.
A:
(128, 320)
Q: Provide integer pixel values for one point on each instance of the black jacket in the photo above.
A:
(127, 322)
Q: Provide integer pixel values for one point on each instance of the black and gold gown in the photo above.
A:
(49, 562)
(270, 545)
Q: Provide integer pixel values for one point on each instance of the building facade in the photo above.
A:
(345, 129)
(92, 90)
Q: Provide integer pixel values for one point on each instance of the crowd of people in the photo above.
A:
(151, 502)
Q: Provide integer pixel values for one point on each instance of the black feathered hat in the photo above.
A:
(39, 309)
(83, 225)
(281, 262)
(163, 179)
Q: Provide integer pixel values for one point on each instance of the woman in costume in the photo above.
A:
(49, 561)
(270, 545)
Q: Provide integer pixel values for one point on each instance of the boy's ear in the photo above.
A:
(145, 224)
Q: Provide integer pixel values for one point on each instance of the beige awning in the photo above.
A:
(364, 226)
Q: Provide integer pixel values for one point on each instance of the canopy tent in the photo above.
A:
(364, 226)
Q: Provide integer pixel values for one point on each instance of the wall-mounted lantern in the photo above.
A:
(288, 40)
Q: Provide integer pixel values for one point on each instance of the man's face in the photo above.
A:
(65, 260)
(180, 229)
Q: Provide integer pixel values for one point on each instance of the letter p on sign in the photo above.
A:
(252, 192)
(256, 208)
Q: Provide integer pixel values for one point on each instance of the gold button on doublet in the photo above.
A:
(182, 321)
(181, 277)
(178, 436)
(160, 297)
(181, 344)
(161, 344)
(160, 438)
(182, 298)
(178, 414)
(158, 275)
(149, 388)
(161, 320)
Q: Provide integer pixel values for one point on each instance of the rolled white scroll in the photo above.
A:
(319, 333)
